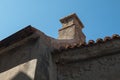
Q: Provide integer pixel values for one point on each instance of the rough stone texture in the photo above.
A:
(67, 33)
(71, 29)
(104, 68)
(31, 55)
(86, 52)
(96, 62)
(28, 61)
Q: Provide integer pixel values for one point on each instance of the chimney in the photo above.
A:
(71, 28)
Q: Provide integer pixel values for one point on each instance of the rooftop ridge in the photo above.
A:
(74, 44)
(68, 53)
(59, 45)
(16, 37)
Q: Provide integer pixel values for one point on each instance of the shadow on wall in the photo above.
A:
(21, 76)
(22, 54)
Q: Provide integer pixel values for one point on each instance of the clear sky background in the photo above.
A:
(100, 17)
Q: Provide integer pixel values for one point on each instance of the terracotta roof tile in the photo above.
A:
(99, 40)
(59, 45)
(90, 42)
(74, 45)
(107, 38)
(114, 36)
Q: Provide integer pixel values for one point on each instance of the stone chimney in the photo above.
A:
(71, 28)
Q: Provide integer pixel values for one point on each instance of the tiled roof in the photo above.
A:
(18, 36)
(74, 45)
(71, 52)
(58, 45)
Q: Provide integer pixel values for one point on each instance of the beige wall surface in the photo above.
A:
(23, 71)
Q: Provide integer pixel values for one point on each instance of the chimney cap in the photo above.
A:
(71, 16)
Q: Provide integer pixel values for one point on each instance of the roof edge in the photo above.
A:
(19, 43)
(87, 52)
(20, 36)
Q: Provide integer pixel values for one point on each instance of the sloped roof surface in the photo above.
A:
(18, 36)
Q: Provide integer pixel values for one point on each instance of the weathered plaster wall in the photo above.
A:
(18, 61)
(103, 68)
(29, 61)
(102, 63)
(39, 57)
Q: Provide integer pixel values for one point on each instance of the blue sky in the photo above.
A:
(100, 17)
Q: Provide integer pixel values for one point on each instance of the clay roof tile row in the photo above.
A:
(90, 43)
(29, 30)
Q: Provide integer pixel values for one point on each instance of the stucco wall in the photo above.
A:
(99, 68)
(39, 57)
(17, 62)
(29, 61)
(91, 62)
(103, 68)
